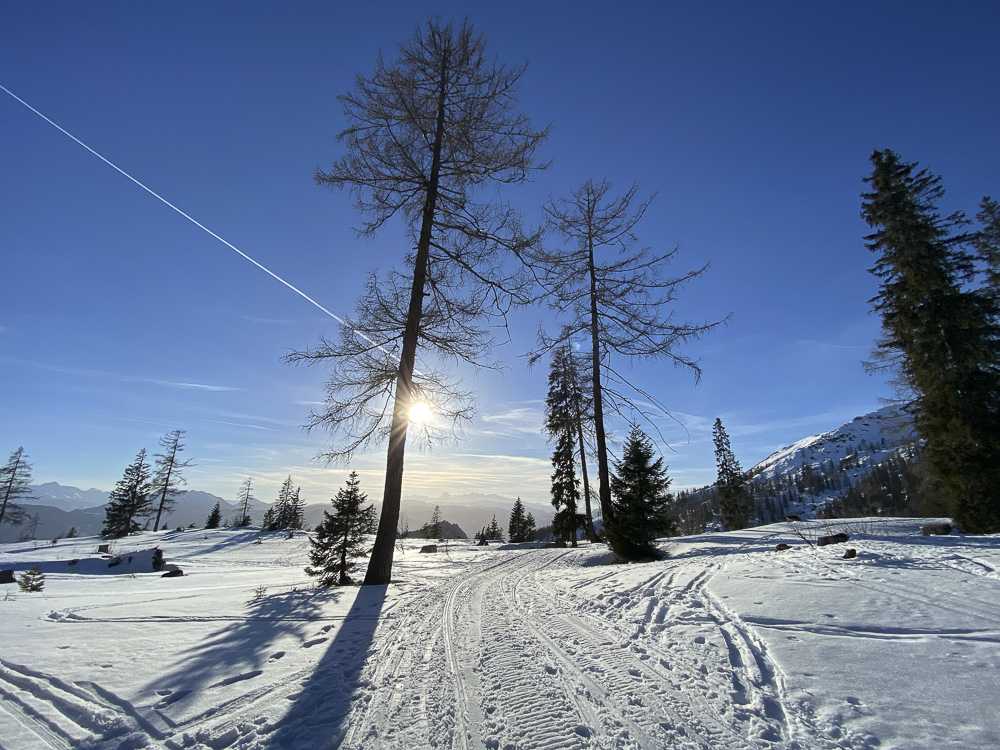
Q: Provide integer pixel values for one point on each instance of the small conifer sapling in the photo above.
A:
(340, 538)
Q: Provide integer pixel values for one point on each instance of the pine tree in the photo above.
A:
(340, 538)
(167, 477)
(640, 492)
(15, 484)
(129, 500)
(734, 498)
(245, 497)
(940, 335)
(214, 518)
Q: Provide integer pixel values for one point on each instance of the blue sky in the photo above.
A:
(120, 320)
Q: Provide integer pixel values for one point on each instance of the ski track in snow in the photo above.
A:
(510, 650)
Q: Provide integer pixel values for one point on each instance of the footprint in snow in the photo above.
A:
(313, 642)
(276, 655)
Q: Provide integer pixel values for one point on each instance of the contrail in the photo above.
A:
(198, 224)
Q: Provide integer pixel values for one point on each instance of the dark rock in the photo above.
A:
(793, 518)
(850, 553)
(175, 573)
(429, 548)
(940, 529)
(832, 539)
(782, 547)
(104, 549)
(7, 576)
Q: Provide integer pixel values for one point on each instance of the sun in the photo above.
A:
(420, 412)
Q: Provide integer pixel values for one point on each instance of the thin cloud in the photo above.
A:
(80, 371)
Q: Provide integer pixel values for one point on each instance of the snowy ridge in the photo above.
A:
(877, 434)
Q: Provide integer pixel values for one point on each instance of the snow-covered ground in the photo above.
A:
(727, 644)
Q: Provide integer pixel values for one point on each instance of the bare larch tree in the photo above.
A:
(616, 305)
(167, 478)
(430, 138)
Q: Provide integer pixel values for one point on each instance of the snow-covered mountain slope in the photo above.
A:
(726, 644)
(813, 475)
(872, 437)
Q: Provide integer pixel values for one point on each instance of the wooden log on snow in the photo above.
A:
(832, 539)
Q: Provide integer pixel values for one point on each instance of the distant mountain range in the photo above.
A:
(802, 479)
(60, 508)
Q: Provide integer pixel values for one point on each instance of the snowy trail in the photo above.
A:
(725, 644)
(495, 659)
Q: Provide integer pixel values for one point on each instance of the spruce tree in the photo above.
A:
(639, 486)
(340, 538)
(493, 532)
(434, 527)
(286, 513)
(267, 522)
(565, 490)
(15, 485)
(518, 528)
(129, 500)
(214, 518)
(31, 581)
(568, 407)
(734, 498)
(940, 335)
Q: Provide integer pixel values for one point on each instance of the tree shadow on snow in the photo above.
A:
(239, 651)
(317, 718)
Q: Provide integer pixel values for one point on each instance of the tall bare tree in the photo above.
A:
(167, 478)
(616, 296)
(244, 497)
(15, 484)
(430, 138)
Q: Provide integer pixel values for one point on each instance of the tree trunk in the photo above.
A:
(603, 475)
(380, 564)
(166, 486)
(9, 488)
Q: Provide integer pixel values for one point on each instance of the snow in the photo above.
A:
(726, 644)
